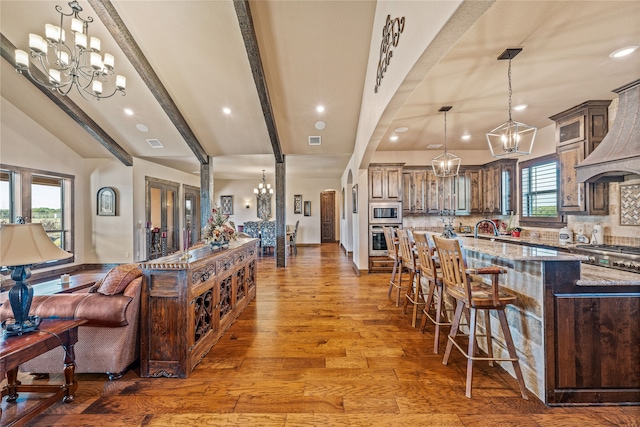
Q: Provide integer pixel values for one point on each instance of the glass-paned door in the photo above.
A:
(162, 217)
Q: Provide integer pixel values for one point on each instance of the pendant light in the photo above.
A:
(511, 138)
(446, 164)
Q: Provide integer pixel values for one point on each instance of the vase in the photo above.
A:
(215, 245)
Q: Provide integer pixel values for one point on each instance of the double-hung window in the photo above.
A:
(539, 186)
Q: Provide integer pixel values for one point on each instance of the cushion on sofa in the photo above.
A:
(118, 278)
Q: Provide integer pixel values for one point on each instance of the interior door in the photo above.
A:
(162, 217)
(192, 213)
(327, 217)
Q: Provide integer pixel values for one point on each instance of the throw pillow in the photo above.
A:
(118, 278)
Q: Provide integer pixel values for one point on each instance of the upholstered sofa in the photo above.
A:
(108, 342)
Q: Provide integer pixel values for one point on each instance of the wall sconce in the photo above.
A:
(247, 204)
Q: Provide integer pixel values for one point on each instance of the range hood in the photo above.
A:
(619, 152)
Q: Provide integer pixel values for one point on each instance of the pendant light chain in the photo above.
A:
(445, 132)
(510, 90)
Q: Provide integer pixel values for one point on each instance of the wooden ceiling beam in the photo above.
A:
(119, 31)
(69, 107)
(253, 52)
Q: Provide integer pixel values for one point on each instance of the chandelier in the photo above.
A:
(511, 138)
(66, 67)
(445, 164)
(263, 196)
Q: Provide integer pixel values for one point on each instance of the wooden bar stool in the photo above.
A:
(429, 271)
(410, 263)
(392, 249)
(475, 296)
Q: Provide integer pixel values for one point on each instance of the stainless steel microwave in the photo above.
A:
(385, 213)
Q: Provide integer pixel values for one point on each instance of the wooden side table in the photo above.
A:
(18, 349)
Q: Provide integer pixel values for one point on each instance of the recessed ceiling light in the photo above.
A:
(393, 137)
(520, 107)
(402, 129)
(320, 125)
(142, 128)
(434, 146)
(320, 108)
(128, 111)
(226, 110)
(466, 137)
(623, 52)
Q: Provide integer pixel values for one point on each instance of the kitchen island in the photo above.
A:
(574, 326)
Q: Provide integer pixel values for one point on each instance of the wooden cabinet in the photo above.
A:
(414, 191)
(579, 130)
(468, 188)
(499, 187)
(186, 306)
(385, 182)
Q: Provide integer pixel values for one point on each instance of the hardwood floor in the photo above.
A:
(319, 347)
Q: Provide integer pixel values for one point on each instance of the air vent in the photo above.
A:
(155, 143)
(434, 146)
(315, 140)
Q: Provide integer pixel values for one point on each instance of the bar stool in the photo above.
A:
(392, 249)
(475, 296)
(429, 271)
(410, 263)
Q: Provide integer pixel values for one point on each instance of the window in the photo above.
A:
(39, 197)
(539, 192)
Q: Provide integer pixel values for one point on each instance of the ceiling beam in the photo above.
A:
(253, 52)
(68, 106)
(119, 31)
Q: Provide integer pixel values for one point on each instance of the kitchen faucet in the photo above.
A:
(495, 228)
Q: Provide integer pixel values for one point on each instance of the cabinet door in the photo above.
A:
(508, 189)
(376, 183)
(419, 179)
(571, 191)
(432, 194)
(474, 177)
(463, 194)
(492, 189)
(407, 192)
(393, 181)
(385, 183)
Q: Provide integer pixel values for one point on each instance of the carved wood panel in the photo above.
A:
(240, 284)
(203, 314)
(225, 296)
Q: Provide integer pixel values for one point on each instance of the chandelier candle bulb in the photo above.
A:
(76, 25)
(52, 33)
(54, 76)
(121, 82)
(37, 43)
(63, 57)
(97, 87)
(22, 58)
(96, 61)
(108, 61)
(94, 44)
(81, 40)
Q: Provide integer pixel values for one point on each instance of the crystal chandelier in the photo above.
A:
(66, 66)
(445, 164)
(511, 138)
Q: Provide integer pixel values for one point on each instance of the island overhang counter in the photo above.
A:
(577, 338)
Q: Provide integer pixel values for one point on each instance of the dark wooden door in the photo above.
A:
(327, 217)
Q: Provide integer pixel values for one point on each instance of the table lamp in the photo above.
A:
(21, 246)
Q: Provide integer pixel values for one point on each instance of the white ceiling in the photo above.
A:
(315, 52)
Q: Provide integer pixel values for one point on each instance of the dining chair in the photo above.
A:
(475, 295)
(392, 250)
(410, 262)
(293, 238)
(432, 276)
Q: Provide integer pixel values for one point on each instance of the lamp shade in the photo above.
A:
(26, 244)
(446, 164)
(511, 139)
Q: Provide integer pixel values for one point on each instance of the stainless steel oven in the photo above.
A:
(385, 213)
(377, 242)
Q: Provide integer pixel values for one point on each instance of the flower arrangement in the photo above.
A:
(219, 230)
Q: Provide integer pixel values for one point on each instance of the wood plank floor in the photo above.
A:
(318, 347)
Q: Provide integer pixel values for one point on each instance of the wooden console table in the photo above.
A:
(18, 349)
(187, 305)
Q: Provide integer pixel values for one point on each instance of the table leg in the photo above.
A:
(70, 385)
(12, 384)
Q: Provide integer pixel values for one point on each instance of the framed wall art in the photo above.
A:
(107, 202)
(226, 205)
(307, 208)
(297, 204)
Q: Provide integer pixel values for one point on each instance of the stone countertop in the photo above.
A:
(525, 240)
(517, 251)
(593, 275)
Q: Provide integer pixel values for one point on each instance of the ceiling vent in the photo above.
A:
(155, 143)
(315, 140)
(433, 146)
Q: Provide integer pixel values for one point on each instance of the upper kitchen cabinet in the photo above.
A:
(468, 189)
(385, 182)
(414, 190)
(579, 130)
(499, 187)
